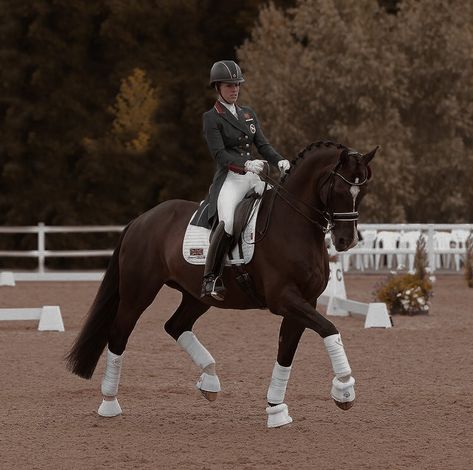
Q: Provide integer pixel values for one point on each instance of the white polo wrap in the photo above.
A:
(336, 352)
(208, 383)
(277, 387)
(192, 346)
(111, 378)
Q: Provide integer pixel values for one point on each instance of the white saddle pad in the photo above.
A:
(196, 242)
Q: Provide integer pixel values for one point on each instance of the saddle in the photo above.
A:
(199, 232)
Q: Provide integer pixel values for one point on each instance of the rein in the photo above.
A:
(329, 216)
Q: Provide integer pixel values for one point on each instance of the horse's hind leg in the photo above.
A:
(129, 311)
(179, 326)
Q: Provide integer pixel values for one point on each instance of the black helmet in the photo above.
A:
(226, 71)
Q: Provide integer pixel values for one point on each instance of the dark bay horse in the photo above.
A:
(289, 269)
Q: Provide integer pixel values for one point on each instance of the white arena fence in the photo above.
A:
(384, 247)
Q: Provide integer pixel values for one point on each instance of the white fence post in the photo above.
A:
(41, 246)
(431, 247)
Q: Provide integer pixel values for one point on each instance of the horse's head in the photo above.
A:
(341, 192)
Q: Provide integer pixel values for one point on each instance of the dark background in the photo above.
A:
(101, 102)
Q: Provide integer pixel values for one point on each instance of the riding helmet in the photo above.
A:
(226, 71)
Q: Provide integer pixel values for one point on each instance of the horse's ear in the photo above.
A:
(369, 156)
(344, 156)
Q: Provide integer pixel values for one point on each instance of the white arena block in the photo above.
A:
(378, 316)
(7, 278)
(49, 317)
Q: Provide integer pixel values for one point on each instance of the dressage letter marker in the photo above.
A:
(335, 297)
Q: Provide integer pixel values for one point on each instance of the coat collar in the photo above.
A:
(230, 118)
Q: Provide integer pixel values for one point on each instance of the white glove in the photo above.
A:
(284, 165)
(254, 166)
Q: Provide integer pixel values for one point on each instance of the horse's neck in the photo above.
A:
(301, 187)
(303, 181)
(302, 191)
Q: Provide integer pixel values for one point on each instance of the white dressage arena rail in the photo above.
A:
(377, 250)
(335, 297)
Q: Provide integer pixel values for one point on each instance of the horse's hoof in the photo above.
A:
(109, 408)
(278, 416)
(210, 396)
(209, 386)
(345, 405)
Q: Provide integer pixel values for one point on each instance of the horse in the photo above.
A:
(321, 193)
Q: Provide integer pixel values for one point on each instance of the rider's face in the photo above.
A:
(229, 91)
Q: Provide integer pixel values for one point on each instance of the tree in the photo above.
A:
(435, 40)
(52, 88)
(115, 173)
(331, 77)
(134, 109)
(349, 71)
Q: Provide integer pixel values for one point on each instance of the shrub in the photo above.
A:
(406, 293)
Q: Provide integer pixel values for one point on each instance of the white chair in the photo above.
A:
(408, 241)
(386, 241)
(460, 236)
(444, 242)
(368, 242)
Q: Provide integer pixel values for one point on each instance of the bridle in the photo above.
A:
(327, 213)
(354, 190)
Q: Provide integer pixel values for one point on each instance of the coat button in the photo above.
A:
(241, 154)
(247, 145)
(247, 153)
(246, 137)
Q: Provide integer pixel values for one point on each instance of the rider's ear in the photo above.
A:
(369, 156)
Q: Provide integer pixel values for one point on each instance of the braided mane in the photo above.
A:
(318, 144)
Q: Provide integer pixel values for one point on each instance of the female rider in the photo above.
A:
(230, 132)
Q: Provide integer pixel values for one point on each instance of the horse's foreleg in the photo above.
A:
(179, 326)
(289, 336)
(343, 384)
(343, 390)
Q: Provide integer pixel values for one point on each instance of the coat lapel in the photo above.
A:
(231, 119)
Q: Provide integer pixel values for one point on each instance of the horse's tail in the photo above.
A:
(89, 345)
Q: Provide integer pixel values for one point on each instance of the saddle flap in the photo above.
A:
(243, 212)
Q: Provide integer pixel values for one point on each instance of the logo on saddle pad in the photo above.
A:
(196, 253)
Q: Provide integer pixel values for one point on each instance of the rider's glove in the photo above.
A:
(284, 165)
(254, 166)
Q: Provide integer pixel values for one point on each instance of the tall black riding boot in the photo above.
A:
(219, 246)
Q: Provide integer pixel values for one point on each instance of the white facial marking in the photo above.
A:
(354, 191)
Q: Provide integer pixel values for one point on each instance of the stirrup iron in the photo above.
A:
(218, 290)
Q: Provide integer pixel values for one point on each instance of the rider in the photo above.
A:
(230, 131)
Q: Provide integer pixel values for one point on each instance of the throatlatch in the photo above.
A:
(219, 246)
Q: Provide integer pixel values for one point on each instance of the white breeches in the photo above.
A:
(233, 190)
